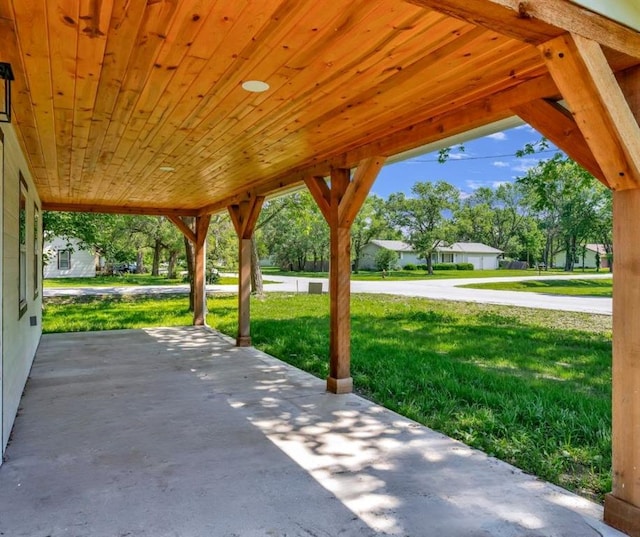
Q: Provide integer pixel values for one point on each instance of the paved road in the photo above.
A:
(436, 289)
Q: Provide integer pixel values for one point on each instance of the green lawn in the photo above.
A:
(124, 280)
(531, 387)
(397, 275)
(553, 287)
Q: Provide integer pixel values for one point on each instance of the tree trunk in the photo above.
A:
(155, 265)
(256, 274)
(171, 269)
(189, 251)
(429, 264)
(140, 262)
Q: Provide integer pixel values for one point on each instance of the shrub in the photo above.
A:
(423, 267)
(386, 259)
(444, 266)
(464, 266)
(504, 263)
(410, 266)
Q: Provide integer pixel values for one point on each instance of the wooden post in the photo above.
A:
(622, 505)
(200, 270)
(607, 113)
(244, 217)
(339, 380)
(339, 204)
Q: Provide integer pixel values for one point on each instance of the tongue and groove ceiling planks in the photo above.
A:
(109, 91)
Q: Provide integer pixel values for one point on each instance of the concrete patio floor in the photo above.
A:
(175, 432)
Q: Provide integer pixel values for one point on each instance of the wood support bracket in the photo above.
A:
(183, 227)
(556, 123)
(601, 111)
(339, 203)
(244, 216)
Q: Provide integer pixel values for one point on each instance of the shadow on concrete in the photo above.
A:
(175, 432)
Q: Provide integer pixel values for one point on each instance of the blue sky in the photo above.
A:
(488, 161)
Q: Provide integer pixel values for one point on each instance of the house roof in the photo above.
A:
(139, 106)
(473, 248)
(596, 248)
(394, 246)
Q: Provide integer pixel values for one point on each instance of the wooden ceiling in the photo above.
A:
(108, 92)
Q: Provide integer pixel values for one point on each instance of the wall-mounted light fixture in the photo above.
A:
(6, 76)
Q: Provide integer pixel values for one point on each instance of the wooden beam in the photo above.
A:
(117, 209)
(456, 120)
(321, 194)
(556, 123)
(622, 506)
(184, 228)
(539, 21)
(199, 271)
(244, 217)
(589, 86)
(358, 189)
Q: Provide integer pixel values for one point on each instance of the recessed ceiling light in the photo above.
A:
(167, 169)
(255, 86)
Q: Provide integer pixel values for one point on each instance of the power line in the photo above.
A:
(509, 155)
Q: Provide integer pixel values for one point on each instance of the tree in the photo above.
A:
(494, 217)
(422, 217)
(297, 234)
(570, 203)
(370, 223)
(386, 259)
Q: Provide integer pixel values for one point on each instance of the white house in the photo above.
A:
(67, 258)
(481, 256)
(406, 254)
(589, 257)
(20, 270)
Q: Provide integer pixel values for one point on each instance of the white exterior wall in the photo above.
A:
(19, 338)
(83, 262)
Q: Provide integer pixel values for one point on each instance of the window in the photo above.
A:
(64, 259)
(36, 251)
(22, 255)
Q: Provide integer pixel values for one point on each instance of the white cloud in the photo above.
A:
(496, 184)
(526, 127)
(501, 164)
(525, 164)
(498, 136)
(458, 156)
(464, 195)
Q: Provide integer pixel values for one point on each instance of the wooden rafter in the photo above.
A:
(183, 227)
(539, 21)
(599, 106)
(556, 123)
(117, 209)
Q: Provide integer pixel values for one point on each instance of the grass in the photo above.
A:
(530, 387)
(125, 280)
(398, 275)
(597, 288)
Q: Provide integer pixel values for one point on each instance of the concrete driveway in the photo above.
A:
(436, 289)
(174, 432)
(450, 290)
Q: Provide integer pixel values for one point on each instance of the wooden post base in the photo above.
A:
(339, 385)
(622, 515)
(243, 341)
